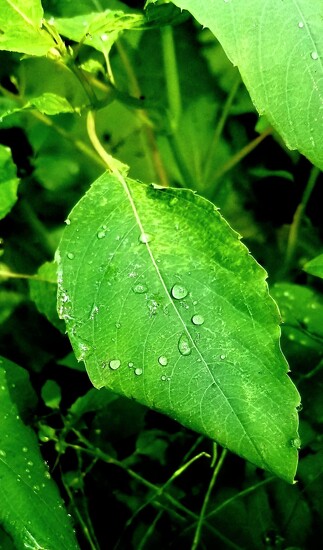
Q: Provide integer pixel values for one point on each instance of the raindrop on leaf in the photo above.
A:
(179, 292)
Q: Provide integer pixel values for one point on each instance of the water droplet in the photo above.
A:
(130, 364)
(70, 256)
(296, 443)
(3, 387)
(118, 325)
(184, 346)
(299, 407)
(222, 356)
(68, 222)
(114, 364)
(104, 37)
(3, 453)
(139, 289)
(47, 475)
(138, 371)
(25, 449)
(197, 320)
(301, 24)
(162, 360)
(314, 55)
(36, 488)
(179, 292)
(145, 238)
(30, 463)
(101, 234)
(163, 378)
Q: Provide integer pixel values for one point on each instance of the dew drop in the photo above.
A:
(138, 371)
(114, 364)
(314, 55)
(163, 378)
(162, 360)
(299, 407)
(118, 325)
(197, 320)
(301, 24)
(296, 443)
(179, 292)
(70, 256)
(30, 463)
(145, 238)
(104, 37)
(140, 289)
(68, 222)
(3, 453)
(222, 356)
(184, 345)
(101, 234)
(25, 449)
(130, 364)
(47, 475)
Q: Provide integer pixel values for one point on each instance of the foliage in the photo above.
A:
(190, 432)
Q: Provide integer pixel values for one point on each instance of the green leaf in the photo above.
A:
(51, 394)
(30, 506)
(20, 27)
(278, 49)
(166, 306)
(43, 290)
(8, 181)
(315, 266)
(50, 104)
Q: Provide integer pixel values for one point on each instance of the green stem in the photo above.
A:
(149, 531)
(171, 73)
(181, 162)
(80, 519)
(201, 519)
(241, 154)
(219, 128)
(298, 216)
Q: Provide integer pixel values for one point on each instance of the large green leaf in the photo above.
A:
(20, 27)
(8, 181)
(165, 305)
(30, 508)
(278, 48)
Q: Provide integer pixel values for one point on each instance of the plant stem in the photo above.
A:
(150, 531)
(298, 216)
(171, 73)
(219, 128)
(81, 521)
(242, 154)
(201, 519)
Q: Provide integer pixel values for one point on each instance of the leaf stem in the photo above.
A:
(201, 519)
(171, 73)
(298, 216)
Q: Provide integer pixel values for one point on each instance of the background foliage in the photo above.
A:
(172, 107)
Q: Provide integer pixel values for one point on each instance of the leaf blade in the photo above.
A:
(164, 310)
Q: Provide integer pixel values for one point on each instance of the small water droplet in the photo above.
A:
(222, 356)
(162, 360)
(145, 238)
(184, 346)
(36, 488)
(104, 37)
(163, 378)
(118, 325)
(101, 234)
(138, 371)
(70, 256)
(179, 292)
(114, 364)
(299, 407)
(296, 443)
(30, 463)
(301, 24)
(68, 222)
(130, 364)
(314, 55)
(25, 449)
(3, 453)
(197, 320)
(140, 289)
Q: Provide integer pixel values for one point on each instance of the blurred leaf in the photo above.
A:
(51, 394)
(30, 507)
(9, 300)
(310, 473)
(152, 443)
(315, 266)
(43, 290)
(71, 362)
(92, 401)
(150, 322)
(8, 181)
(21, 27)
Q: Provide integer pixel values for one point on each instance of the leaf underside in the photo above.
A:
(165, 305)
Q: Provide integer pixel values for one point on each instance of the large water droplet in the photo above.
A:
(138, 371)
(140, 288)
(179, 292)
(184, 346)
(162, 360)
(314, 55)
(145, 238)
(114, 364)
(197, 320)
(70, 256)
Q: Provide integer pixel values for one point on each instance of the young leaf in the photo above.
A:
(315, 266)
(8, 182)
(30, 507)
(20, 27)
(278, 48)
(166, 306)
